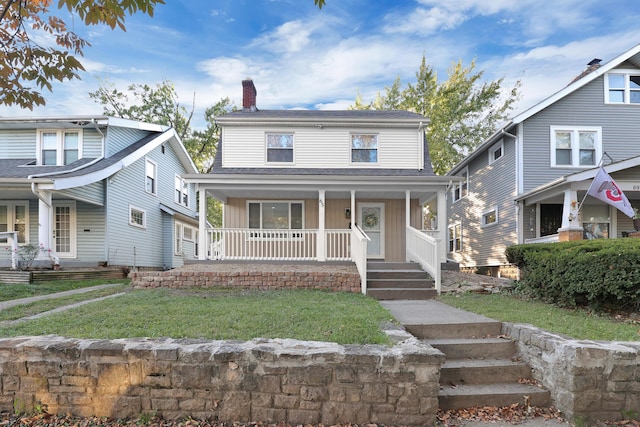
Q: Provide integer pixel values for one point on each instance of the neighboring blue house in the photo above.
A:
(95, 190)
(526, 183)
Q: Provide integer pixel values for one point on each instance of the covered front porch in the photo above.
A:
(562, 211)
(324, 219)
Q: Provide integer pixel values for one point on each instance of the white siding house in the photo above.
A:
(308, 185)
(528, 182)
(80, 189)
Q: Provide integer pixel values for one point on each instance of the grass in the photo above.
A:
(15, 291)
(578, 324)
(343, 318)
(25, 310)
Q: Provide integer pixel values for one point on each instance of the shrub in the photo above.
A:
(595, 273)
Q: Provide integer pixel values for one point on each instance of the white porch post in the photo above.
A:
(353, 208)
(441, 204)
(320, 248)
(45, 223)
(202, 224)
(571, 228)
(407, 217)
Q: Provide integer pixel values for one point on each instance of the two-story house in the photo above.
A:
(96, 190)
(306, 185)
(528, 182)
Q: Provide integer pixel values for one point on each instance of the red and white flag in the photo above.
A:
(605, 188)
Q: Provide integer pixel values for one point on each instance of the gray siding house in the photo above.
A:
(96, 190)
(528, 182)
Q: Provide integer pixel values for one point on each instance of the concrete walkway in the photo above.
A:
(22, 301)
(430, 312)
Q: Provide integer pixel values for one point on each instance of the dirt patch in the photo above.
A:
(455, 281)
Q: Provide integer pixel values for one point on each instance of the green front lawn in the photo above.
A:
(575, 323)
(343, 318)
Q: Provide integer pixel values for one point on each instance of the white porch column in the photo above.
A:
(571, 228)
(320, 248)
(441, 203)
(45, 224)
(354, 217)
(202, 224)
(407, 217)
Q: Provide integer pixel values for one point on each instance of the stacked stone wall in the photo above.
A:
(588, 380)
(260, 277)
(261, 380)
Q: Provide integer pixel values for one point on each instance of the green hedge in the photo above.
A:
(596, 273)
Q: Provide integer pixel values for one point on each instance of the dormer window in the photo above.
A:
(623, 87)
(58, 147)
(364, 148)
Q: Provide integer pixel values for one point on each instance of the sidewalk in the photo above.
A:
(22, 301)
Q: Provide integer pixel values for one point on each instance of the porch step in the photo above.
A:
(466, 348)
(399, 281)
(483, 371)
(456, 330)
(467, 396)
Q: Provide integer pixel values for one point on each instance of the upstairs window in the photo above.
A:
(280, 148)
(57, 147)
(364, 148)
(182, 192)
(623, 88)
(137, 217)
(496, 152)
(460, 189)
(275, 215)
(575, 147)
(151, 171)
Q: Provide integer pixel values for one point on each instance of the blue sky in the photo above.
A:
(302, 57)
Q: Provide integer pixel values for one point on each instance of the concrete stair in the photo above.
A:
(399, 281)
(481, 367)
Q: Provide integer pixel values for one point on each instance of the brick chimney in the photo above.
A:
(249, 94)
(593, 65)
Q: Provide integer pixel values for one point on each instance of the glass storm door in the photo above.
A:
(371, 220)
(64, 235)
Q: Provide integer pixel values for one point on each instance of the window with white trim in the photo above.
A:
(137, 217)
(455, 238)
(58, 147)
(622, 87)
(575, 146)
(182, 192)
(460, 189)
(14, 216)
(364, 148)
(178, 246)
(151, 177)
(489, 217)
(275, 215)
(496, 152)
(279, 148)
(187, 233)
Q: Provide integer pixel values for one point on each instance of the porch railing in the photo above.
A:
(277, 245)
(423, 249)
(359, 241)
(553, 238)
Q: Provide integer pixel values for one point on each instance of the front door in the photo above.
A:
(64, 234)
(371, 220)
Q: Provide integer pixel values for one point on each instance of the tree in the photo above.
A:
(462, 111)
(26, 67)
(160, 105)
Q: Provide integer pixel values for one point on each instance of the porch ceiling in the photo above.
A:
(263, 193)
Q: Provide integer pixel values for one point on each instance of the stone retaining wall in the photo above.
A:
(260, 380)
(587, 379)
(329, 277)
